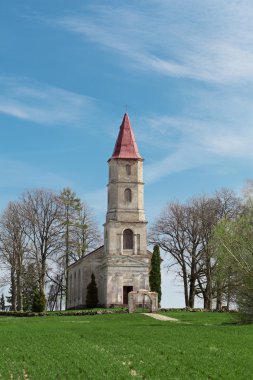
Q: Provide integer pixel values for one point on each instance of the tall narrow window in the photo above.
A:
(128, 195)
(75, 287)
(70, 289)
(79, 284)
(128, 240)
(128, 169)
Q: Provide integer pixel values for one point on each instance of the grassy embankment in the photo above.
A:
(126, 346)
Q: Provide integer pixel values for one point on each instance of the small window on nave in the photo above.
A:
(128, 169)
(79, 284)
(70, 288)
(128, 240)
(74, 287)
(128, 195)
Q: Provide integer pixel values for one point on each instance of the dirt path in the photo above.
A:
(160, 317)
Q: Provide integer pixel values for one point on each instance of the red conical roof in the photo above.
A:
(126, 146)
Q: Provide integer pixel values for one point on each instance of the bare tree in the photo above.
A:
(223, 205)
(69, 210)
(88, 234)
(42, 228)
(45, 232)
(80, 232)
(206, 209)
(185, 231)
(13, 247)
(175, 231)
(229, 204)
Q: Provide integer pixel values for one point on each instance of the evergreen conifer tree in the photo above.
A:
(92, 293)
(70, 206)
(155, 272)
(2, 302)
(11, 299)
(39, 301)
(30, 286)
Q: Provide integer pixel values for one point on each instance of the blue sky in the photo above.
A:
(183, 69)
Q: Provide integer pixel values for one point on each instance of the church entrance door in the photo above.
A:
(126, 290)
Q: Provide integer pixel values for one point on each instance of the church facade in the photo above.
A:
(122, 264)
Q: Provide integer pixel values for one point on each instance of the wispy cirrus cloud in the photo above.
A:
(217, 127)
(209, 41)
(41, 103)
(199, 144)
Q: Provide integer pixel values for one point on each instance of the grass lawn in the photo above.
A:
(126, 346)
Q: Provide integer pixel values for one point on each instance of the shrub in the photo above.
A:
(39, 301)
(2, 302)
(92, 293)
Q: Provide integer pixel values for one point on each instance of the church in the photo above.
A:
(122, 264)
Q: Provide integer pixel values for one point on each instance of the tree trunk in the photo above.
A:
(13, 291)
(209, 303)
(192, 283)
(66, 261)
(43, 275)
(19, 291)
(61, 296)
(205, 299)
(209, 292)
(228, 298)
(192, 293)
(229, 289)
(185, 280)
(218, 298)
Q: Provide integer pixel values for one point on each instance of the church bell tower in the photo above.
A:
(126, 260)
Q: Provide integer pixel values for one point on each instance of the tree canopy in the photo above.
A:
(40, 235)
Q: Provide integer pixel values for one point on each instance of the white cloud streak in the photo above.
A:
(196, 143)
(204, 40)
(28, 100)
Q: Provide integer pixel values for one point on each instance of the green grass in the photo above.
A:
(126, 346)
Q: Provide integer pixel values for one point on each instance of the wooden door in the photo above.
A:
(126, 290)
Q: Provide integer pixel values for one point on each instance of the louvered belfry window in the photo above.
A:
(128, 239)
(128, 169)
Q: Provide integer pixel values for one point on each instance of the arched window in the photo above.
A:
(128, 195)
(128, 169)
(128, 240)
